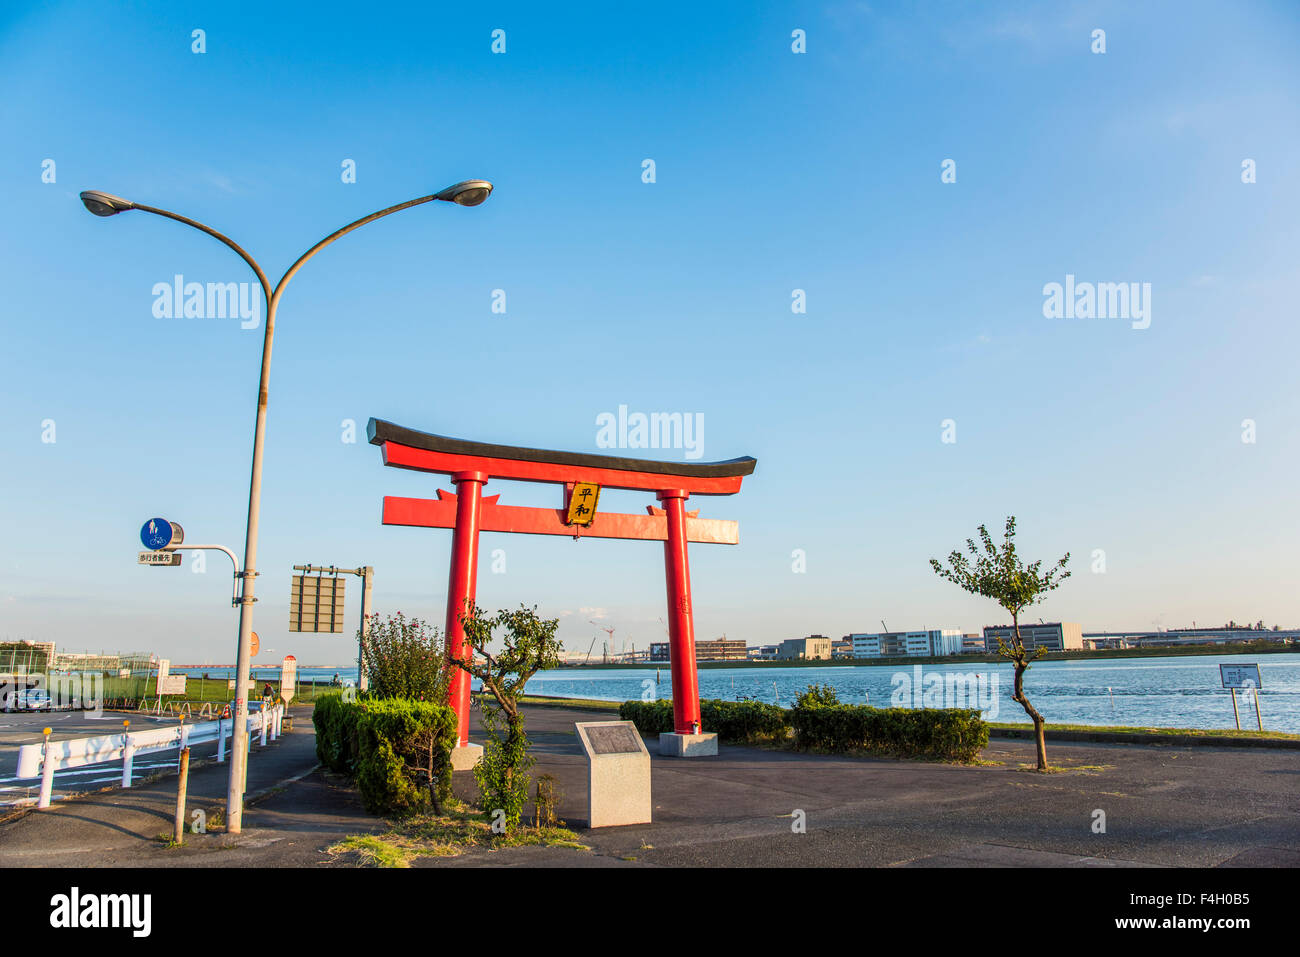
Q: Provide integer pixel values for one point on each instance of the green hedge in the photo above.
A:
(744, 721)
(949, 733)
(650, 717)
(385, 743)
(741, 721)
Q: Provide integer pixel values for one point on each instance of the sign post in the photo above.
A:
(1246, 677)
(316, 604)
(162, 538)
(168, 683)
(288, 678)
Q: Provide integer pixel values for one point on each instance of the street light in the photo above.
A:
(468, 193)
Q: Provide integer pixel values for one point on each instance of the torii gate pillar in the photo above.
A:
(681, 620)
(462, 586)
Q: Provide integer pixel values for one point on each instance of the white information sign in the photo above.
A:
(1240, 676)
(288, 677)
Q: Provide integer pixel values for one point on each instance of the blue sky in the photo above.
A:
(775, 171)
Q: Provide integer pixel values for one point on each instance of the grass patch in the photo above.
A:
(461, 829)
(584, 704)
(1120, 729)
(375, 851)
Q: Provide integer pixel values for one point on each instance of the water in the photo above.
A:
(1174, 692)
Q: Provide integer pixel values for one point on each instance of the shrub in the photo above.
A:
(399, 751)
(406, 658)
(741, 721)
(817, 696)
(650, 717)
(947, 734)
(336, 732)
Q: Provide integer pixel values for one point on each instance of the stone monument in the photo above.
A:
(618, 779)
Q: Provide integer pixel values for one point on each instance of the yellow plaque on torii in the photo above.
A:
(582, 503)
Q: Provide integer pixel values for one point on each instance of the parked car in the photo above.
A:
(27, 699)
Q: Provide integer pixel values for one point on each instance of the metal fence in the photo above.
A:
(43, 759)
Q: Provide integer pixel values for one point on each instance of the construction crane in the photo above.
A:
(608, 645)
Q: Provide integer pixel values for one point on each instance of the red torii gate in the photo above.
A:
(472, 464)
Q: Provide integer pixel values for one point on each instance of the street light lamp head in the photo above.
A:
(105, 204)
(472, 192)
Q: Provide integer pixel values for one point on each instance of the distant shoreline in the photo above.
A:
(1239, 648)
(1261, 648)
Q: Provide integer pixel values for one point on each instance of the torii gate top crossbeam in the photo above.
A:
(425, 452)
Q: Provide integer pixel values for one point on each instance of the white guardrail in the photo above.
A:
(124, 746)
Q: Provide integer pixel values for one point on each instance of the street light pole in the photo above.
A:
(468, 193)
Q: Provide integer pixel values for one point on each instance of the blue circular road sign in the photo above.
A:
(156, 533)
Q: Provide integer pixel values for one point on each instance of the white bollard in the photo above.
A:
(262, 727)
(128, 758)
(47, 773)
(185, 740)
(221, 741)
(275, 723)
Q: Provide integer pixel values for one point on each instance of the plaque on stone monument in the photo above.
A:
(614, 739)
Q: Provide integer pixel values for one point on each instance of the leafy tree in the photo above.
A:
(998, 573)
(529, 645)
(405, 658)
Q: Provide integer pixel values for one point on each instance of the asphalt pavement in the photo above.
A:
(1115, 805)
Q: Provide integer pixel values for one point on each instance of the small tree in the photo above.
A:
(999, 574)
(529, 645)
(405, 658)
(817, 696)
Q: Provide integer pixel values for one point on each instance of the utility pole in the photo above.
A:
(467, 193)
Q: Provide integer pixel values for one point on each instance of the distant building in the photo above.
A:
(973, 644)
(720, 649)
(1098, 644)
(763, 652)
(1052, 635)
(33, 657)
(713, 649)
(898, 644)
(1174, 637)
(842, 647)
(814, 647)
